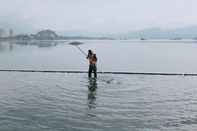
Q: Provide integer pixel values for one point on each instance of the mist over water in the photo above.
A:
(57, 102)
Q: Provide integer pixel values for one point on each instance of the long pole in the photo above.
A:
(123, 73)
(81, 50)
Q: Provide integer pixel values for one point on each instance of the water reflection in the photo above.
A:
(2, 47)
(39, 44)
(92, 87)
(10, 45)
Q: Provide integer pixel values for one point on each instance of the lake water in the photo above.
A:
(112, 55)
(72, 102)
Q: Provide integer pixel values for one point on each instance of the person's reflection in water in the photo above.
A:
(92, 93)
(10, 46)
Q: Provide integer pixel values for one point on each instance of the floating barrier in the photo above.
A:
(126, 73)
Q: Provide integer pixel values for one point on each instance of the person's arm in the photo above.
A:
(88, 56)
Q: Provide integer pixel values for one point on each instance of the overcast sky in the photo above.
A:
(97, 15)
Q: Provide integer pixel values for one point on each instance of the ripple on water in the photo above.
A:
(74, 102)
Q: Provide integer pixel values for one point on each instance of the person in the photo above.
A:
(90, 53)
(89, 57)
(92, 64)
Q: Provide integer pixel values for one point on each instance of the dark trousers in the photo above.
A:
(92, 68)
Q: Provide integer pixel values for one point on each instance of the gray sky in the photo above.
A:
(97, 15)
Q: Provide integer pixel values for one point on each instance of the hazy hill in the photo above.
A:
(149, 33)
(157, 33)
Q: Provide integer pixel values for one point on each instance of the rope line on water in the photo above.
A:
(126, 73)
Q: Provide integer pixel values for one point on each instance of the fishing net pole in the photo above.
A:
(105, 72)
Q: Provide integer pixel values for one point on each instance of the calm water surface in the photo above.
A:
(72, 102)
(112, 55)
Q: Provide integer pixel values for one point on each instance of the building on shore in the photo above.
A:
(11, 33)
(2, 33)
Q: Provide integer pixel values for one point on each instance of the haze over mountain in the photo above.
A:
(103, 16)
(158, 33)
(127, 18)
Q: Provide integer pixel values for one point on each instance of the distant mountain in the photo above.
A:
(81, 33)
(189, 32)
(157, 33)
(149, 33)
(46, 35)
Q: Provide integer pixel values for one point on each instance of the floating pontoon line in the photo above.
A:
(127, 73)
